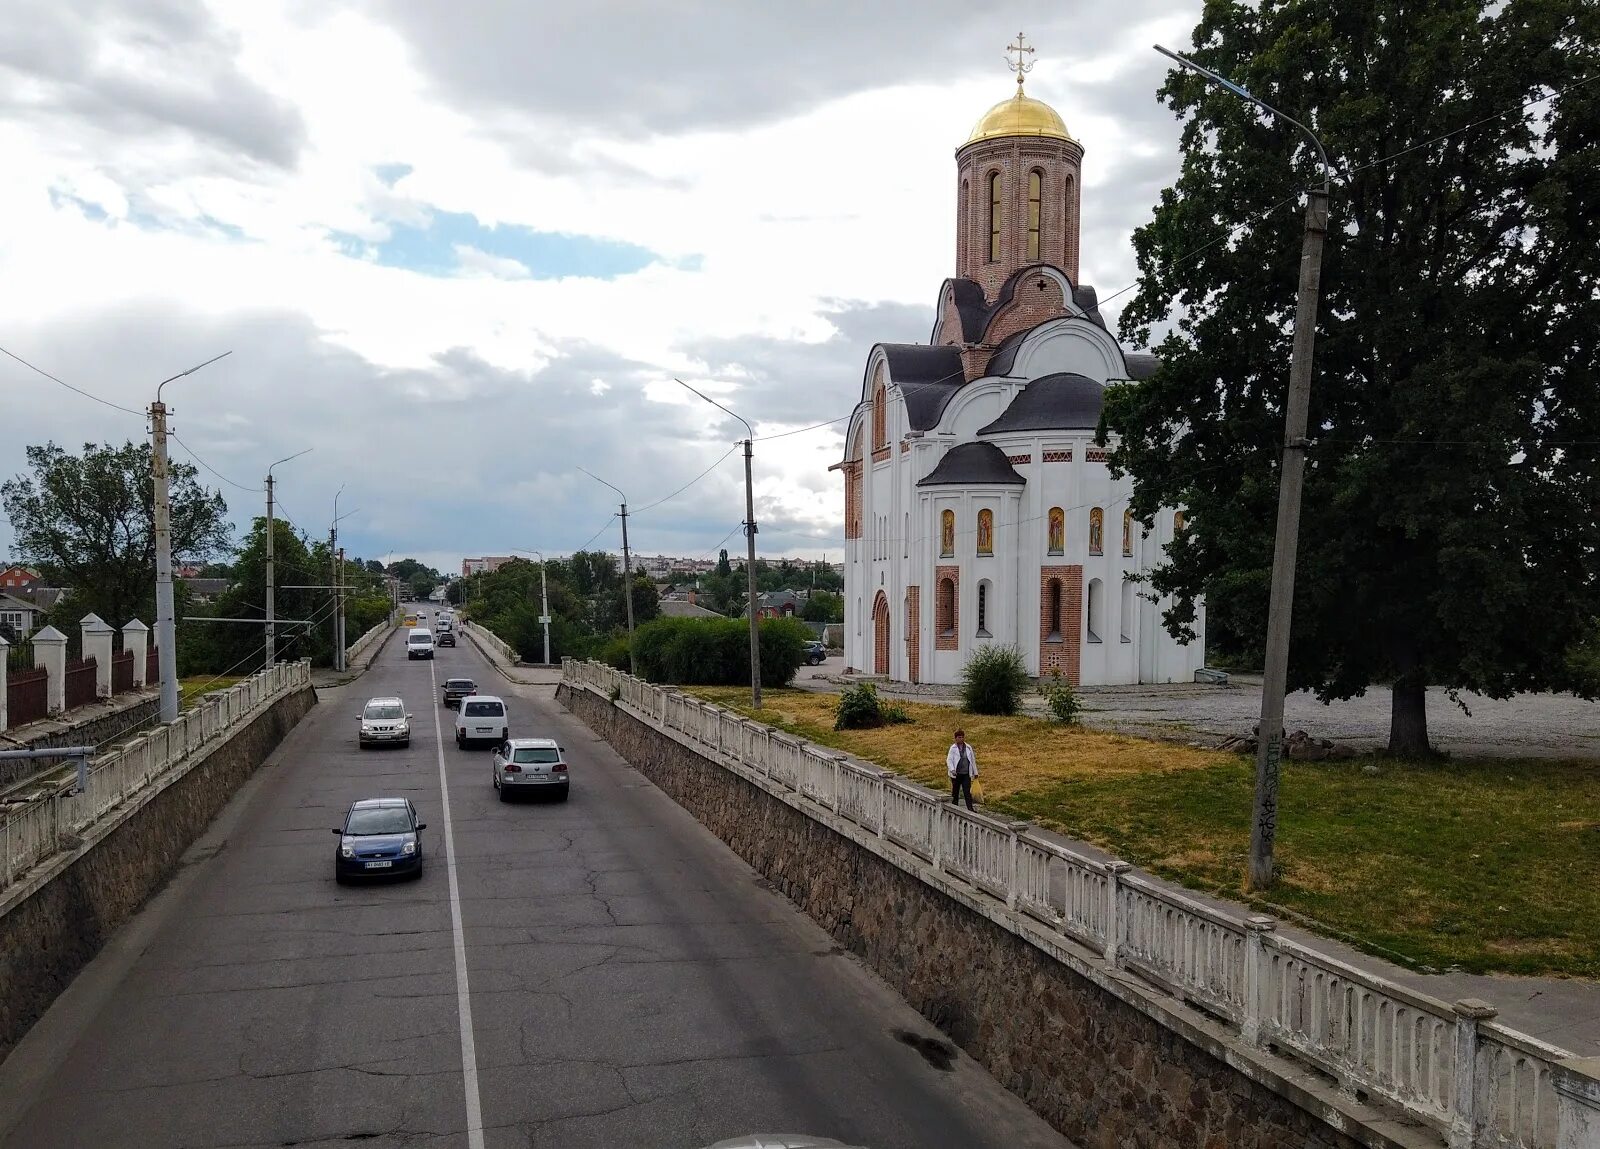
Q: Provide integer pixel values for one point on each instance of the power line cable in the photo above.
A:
(69, 386)
(685, 487)
(191, 452)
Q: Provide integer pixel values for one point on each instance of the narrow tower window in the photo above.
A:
(994, 218)
(1035, 195)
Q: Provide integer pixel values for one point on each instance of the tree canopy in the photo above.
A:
(87, 522)
(1449, 530)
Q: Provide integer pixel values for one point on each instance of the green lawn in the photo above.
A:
(1488, 865)
(190, 689)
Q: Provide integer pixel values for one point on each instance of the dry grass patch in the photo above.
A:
(1014, 754)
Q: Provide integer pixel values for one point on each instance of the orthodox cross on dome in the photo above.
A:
(1021, 65)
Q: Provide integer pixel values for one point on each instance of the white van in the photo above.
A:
(419, 643)
(481, 718)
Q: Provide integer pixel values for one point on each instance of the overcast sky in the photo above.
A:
(460, 249)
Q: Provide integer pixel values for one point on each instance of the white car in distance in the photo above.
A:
(481, 718)
(384, 722)
(530, 765)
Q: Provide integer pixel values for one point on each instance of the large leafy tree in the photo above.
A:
(87, 522)
(1449, 522)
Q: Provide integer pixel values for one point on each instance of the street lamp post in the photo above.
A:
(166, 626)
(544, 599)
(272, 629)
(750, 546)
(627, 567)
(1274, 679)
(336, 583)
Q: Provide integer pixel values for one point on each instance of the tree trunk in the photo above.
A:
(1408, 718)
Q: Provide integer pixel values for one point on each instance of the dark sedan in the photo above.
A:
(445, 638)
(380, 837)
(455, 689)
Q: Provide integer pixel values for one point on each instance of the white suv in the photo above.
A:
(481, 718)
(384, 722)
(419, 643)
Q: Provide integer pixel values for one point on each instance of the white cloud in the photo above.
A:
(225, 232)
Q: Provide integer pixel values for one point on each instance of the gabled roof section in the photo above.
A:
(927, 377)
(973, 464)
(971, 306)
(1059, 402)
(1141, 364)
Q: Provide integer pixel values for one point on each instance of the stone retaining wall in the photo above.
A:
(51, 927)
(1102, 1070)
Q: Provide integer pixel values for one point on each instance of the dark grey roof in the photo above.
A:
(1141, 364)
(927, 376)
(970, 464)
(1059, 402)
(1005, 356)
(1089, 301)
(971, 306)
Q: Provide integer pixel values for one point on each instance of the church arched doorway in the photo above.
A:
(880, 634)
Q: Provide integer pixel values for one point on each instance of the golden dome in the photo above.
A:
(1019, 116)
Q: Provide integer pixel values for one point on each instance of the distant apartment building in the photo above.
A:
(470, 567)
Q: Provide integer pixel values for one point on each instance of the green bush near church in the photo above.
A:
(716, 651)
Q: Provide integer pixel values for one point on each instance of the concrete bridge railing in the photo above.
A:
(1478, 1083)
(34, 832)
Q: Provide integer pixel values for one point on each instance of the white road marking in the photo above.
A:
(469, 1049)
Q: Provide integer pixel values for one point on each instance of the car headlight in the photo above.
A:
(347, 850)
(409, 848)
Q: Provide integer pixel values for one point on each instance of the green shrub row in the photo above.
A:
(716, 651)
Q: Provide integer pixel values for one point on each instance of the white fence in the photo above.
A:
(376, 635)
(34, 832)
(1481, 1085)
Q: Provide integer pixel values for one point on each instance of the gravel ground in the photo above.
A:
(1527, 726)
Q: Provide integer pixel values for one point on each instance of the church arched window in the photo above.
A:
(1035, 199)
(1097, 609)
(1052, 610)
(1097, 531)
(994, 217)
(947, 533)
(1058, 530)
(1178, 522)
(1128, 605)
(983, 609)
(880, 413)
(947, 605)
(986, 532)
(1127, 534)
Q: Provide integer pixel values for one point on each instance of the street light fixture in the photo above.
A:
(272, 630)
(1274, 679)
(166, 626)
(627, 564)
(544, 598)
(750, 545)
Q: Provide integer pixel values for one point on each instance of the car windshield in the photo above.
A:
(536, 754)
(384, 710)
(421, 638)
(378, 820)
(460, 684)
(484, 710)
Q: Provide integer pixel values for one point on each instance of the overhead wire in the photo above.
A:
(69, 386)
(685, 487)
(195, 456)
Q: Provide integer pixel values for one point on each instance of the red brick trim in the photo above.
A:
(881, 455)
(947, 616)
(880, 634)
(1097, 455)
(1061, 653)
(852, 498)
(914, 632)
(1019, 460)
(1058, 456)
(905, 445)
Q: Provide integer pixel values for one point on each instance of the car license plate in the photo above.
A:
(379, 865)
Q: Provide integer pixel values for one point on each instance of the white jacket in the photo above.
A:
(954, 756)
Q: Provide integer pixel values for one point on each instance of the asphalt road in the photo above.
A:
(608, 974)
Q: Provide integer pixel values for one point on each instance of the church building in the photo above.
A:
(978, 508)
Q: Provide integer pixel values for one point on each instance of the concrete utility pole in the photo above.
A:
(544, 594)
(627, 563)
(1285, 548)
(750, 546)
(166, 629)
(339, 614)
(272, 586)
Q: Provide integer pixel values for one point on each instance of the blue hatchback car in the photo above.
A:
(380, 837)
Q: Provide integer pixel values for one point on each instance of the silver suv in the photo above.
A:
(384, 722)
(531, 765)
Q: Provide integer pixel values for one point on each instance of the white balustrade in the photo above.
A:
(32, 833)
(1482, 1085)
